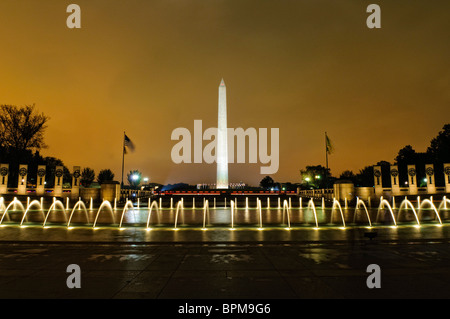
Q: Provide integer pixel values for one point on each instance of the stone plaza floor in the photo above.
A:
(415, 263)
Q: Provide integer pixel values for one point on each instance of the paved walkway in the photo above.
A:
(222, 264)
(418, 269)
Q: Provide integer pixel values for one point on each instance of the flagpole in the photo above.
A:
(123, 156)
(326, 156)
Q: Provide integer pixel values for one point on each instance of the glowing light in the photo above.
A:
(148, 229)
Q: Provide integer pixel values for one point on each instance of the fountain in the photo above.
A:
(313, 208)
(33, 203)
(153, 204)
(205, 209)
(381, 207)
(141, 216)
(430, 202)
(259, 208)
(443, 204)
(232, 214)
(80, 203)
(360, 202)
(336, 203)
(179, 204)
(106, 204)
(128, 204)
(287, 210)
(14, 202)
(55, 203)
(406, 203)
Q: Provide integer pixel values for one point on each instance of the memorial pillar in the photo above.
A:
(431, 184)
(75, 193)
(395, 184)
(40, 181)
(412, 180)
(378, 181)
(22, 181)
(59, 172)
(4, 171)
(447, 177)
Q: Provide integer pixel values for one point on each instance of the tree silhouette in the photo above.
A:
(87, 177)
(105, 175)
(267, 182)
(22, 128)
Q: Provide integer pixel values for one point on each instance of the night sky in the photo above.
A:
(305, 67)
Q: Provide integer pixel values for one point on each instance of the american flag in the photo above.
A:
(328, 145)
(128, 144)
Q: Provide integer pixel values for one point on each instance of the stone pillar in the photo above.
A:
(40, 181)
(378, 181)
(412, 180)
(431, 184)
(395, 180)
(447, 177)
(4, 171)
(59, 172)
(75, 193)
(22, 181)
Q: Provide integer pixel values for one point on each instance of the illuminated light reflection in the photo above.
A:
(416, 226)
(148, 229)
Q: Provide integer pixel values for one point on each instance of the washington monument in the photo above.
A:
(222, 141)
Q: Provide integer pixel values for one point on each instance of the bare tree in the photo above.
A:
(22, 128)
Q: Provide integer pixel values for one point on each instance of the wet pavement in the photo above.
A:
(223, 264)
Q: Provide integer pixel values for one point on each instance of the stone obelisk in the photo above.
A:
(222, 141)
